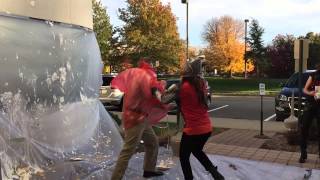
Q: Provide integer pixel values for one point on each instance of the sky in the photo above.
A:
(296, 17)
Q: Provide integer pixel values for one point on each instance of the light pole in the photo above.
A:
(187, 26)
(245, 48)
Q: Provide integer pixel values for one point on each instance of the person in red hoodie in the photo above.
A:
(141, 109)
(197, 125)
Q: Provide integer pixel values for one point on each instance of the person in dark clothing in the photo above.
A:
(197, 128)
(312, 89)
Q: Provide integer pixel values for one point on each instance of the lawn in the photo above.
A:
(243, 86)
(240, 86)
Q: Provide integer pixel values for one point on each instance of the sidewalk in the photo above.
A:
(239, 124)
(240, 142)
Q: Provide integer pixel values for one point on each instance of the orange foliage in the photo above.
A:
(226, 48)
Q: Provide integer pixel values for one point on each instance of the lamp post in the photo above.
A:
(187, 26)
(245, 49)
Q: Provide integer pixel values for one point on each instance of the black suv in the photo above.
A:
(283, 99)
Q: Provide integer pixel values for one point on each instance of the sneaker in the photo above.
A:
(148, 174)
(215, 173)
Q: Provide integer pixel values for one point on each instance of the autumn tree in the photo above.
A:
(280, 56)
(225, 48)
(102, 29)
(257, 49)
(150, 30)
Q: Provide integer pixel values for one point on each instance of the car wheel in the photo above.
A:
(279, 118)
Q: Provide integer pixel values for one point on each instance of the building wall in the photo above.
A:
(77, 12)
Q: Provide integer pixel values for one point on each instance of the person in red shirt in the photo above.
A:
(141, 109)
(197, 128)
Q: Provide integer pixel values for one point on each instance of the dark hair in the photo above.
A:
(199, 85)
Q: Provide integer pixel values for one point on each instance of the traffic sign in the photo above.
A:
(262, 89)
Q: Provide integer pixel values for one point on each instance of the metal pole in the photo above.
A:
(261, 117)
(245, 49)
(300, 79)
(187, 33)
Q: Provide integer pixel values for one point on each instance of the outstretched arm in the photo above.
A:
(307, 87)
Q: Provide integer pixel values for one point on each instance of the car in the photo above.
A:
(283, 99)
(109, 95)
(177, 82)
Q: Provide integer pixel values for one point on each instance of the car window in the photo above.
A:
(293, 80)
(106, 80)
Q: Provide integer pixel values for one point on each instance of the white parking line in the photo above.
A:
(218, 108)
(269, 118)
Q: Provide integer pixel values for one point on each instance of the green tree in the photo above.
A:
(257, 49)
(102, 29)
(150, 30)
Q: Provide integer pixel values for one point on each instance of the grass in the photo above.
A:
(243, 86)
(240, 86)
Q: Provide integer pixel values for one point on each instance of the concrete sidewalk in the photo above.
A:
(239, 124)
(234, 123)
(240, 141)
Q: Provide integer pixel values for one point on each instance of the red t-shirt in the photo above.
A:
(195, 115)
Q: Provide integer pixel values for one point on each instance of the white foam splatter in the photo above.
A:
(33, 3)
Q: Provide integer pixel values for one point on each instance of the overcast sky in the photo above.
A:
(295, 17)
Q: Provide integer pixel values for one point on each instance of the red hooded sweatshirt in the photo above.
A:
(139, 104)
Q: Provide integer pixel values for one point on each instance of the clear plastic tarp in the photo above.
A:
(51, 121)
(231, 168)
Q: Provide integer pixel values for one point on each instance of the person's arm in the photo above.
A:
(307, 87)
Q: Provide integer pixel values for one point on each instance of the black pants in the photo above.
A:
(307, 119)
(193, 144)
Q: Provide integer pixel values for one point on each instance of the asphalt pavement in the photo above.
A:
(237, 107)
(242, 107)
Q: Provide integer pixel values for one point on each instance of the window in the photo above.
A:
(294, 80)
(106, 80)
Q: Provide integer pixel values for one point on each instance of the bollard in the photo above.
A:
(261, 117)
(0, 170)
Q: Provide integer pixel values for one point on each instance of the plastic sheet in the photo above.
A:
(231, 168)
(51, 121)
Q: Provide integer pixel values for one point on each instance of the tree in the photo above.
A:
(314, 49)
(226, 49)
(280, 56)
(257, 49)
(102, 29)
(150, 30)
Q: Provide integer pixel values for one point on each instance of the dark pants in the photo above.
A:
(193, 144)
(307, 119)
